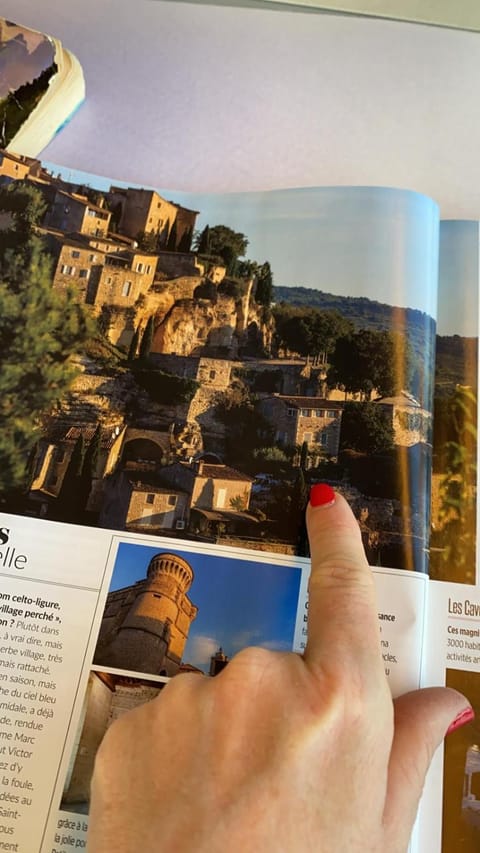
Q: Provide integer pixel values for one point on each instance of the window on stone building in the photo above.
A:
(91, 212)
(306, 413)
(291, 413)
(126, 288)
(92, 258)
(319, 413)
(75, 253)
(221, 495)
(84, 273)
(139, 267)
(331, 413)
(148, 269)
(67, 270)
(212, 374)
(172, 500)
(150, 499)
(322, 438)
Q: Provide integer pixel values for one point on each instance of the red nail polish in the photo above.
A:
(321, 495)
(461, 719)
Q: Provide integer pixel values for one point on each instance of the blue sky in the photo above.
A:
(354, 241)
(240, 602)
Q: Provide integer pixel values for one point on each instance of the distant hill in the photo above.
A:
(364, 313)
(456, 357)
(456, 363)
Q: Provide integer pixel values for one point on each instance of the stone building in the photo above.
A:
(296, 420)
(70, 212)
(143, 211)
(411, 423)
(145, 626)
(16, 167)
(107, 697)
(138, 499)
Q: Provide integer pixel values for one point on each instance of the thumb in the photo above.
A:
(422, 719)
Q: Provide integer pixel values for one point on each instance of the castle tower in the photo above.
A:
(145, 626)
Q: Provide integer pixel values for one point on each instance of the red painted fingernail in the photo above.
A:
(321, 495)
(461, 719)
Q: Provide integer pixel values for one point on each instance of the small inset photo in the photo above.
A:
(461, 779)
(107, 697)
(174, 610)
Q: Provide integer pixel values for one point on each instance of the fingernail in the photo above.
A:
(321, 495)
(464, 717)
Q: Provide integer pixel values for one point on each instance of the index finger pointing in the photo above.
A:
(342, 610)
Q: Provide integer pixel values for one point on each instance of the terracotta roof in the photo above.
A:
(222, 472)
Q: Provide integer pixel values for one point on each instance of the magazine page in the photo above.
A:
(215, 355)
(180, 369)
(452, 644)
(95, 623)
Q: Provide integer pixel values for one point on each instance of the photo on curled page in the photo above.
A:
(107, 697)
(41, 86)
(188, 365)
(461, 771)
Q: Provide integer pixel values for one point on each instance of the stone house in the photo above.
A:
(17, 167)
(411, 423)
(296, 420)
(143, 211)
(70, 212)
(54, 454)
(139, 499)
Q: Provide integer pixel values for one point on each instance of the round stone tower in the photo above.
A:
(149, 625)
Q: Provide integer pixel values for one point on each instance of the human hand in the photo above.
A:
(279, 753)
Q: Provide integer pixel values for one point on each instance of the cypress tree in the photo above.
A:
(172, 238)
(147, 339)
(69, 497)
(204, 242)
(132, 350)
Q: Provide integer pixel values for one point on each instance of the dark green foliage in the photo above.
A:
(299, 506)
(303, 455)
(185, 241)
(71, 499)
(172, 238)
(147, 339)
(309, 332)
(234, 287)
(206, 290)
(264, 286)
(27, 206)
(39, 332)
(366, 429)
(454, 542)
(90, 460)
(365, 361)
(132, 350)
(147, 241)
(165, 388)
(203, 243)
(246, 432)
(17, 106)
(415, 327)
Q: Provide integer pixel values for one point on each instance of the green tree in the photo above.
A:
(453, 557)
(366, 429)
(27, 206)
(147, 339)
(309, 331)
(147, 241)
(172, 238)
(299, 506)
(229, 245)
(202, 244)
(70, 501)
(40, 330)
(89, 465)
(264, 286)
(132, 350)
(366, 360)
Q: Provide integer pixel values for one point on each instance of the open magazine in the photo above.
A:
(160, 389)
(176, 371)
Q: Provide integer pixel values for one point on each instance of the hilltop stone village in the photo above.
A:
(163, 465)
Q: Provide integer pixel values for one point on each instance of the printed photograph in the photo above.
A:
(453, 552)
(461, 774)
(27, 64)
(184, 611)
(187, 366)
(107, 697)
